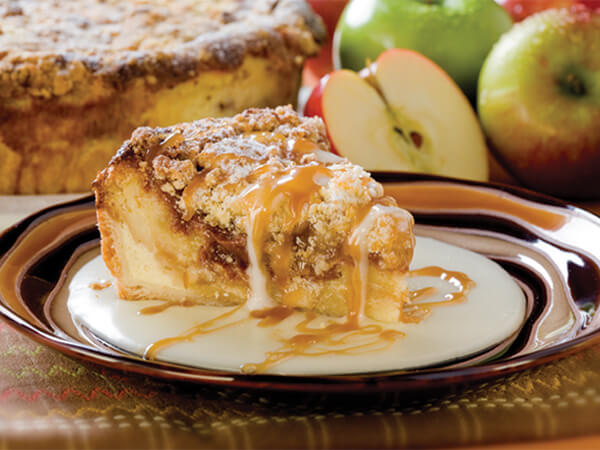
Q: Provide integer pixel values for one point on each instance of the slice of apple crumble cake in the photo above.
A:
(252, 208)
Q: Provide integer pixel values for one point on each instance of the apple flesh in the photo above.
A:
(403, 113)
(539, 102)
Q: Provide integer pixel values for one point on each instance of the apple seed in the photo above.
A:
(573, 85)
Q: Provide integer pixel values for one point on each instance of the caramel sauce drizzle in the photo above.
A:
(334, 338)
(209, 326)
(422, 294)
(271, 316)
(303, 146)
(99, 285)
(294, 186)
(155, 309)
(415, 312)
(172, 140)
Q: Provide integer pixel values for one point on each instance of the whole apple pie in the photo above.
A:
(76, 77)
(252, 208)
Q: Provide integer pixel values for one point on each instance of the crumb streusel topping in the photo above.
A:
(207, 167)
(51, 47)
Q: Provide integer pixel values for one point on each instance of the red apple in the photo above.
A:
(314, 68)
(520, 9)
(591, 4)
(403, 113)
(314, 107)
(330, 11)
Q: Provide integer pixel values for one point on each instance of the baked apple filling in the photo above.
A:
(252, 209)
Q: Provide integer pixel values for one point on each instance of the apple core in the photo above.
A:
(410, 140)
(402, 113)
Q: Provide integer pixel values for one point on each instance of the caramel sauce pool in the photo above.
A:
(334, 338)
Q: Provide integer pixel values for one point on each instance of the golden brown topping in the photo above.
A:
(53, 47)
(209, 169)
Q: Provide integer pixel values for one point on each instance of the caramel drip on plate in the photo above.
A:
(271, 316)
(335, 337)
(416, 312)
(421, 294)
(155, 309)
(99, 285)
(206, 327)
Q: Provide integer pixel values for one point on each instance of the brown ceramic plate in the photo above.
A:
(549, 248)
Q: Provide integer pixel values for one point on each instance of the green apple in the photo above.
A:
(456, 34)
(539, 102)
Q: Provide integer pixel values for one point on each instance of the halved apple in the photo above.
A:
(402, 113)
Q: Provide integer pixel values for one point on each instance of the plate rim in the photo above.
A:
(402, 380)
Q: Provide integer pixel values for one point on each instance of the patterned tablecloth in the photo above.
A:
(49, 400)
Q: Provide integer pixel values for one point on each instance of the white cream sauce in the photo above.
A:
(494, 310)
